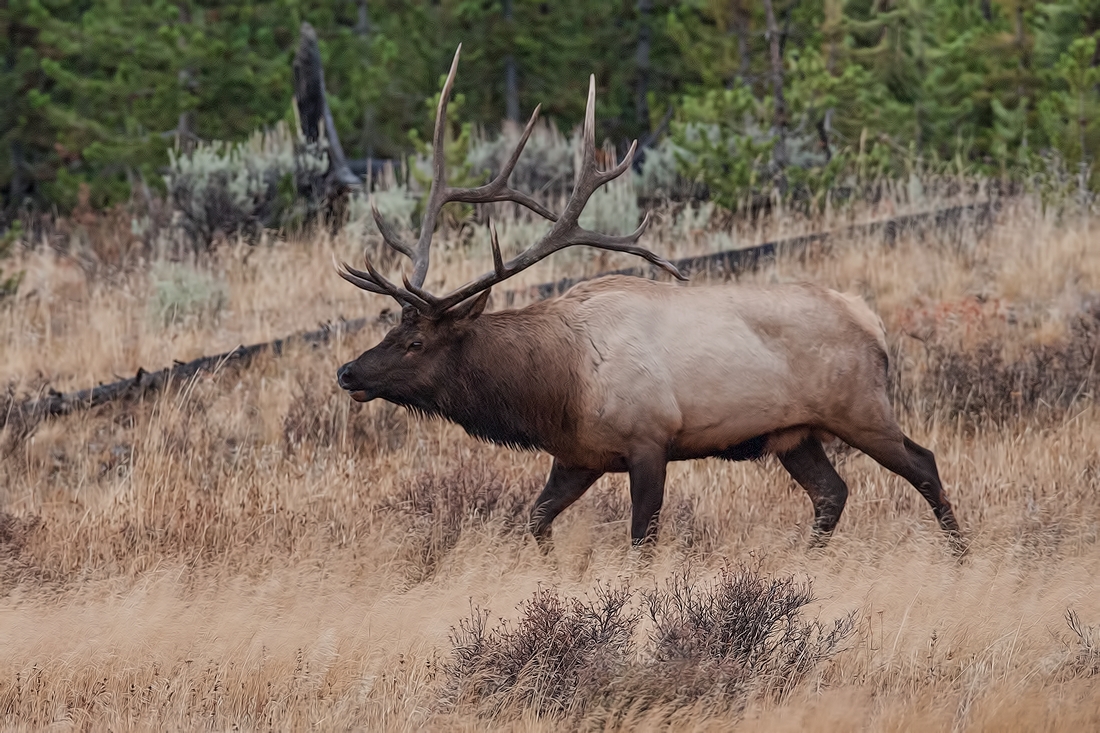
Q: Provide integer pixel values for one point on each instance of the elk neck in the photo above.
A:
(515, 380)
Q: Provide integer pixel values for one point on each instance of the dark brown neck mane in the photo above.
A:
(514, 380)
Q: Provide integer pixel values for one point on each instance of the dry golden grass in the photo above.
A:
(254, 551)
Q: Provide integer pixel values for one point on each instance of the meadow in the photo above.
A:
(252, 550)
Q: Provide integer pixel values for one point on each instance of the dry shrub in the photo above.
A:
(718, 643)
(182, 292)
(983, 383)
(1086, 657)
(560, 655)
(320, 416)
(739, 634)
(437, 508)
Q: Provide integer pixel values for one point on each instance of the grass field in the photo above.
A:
(253, 550)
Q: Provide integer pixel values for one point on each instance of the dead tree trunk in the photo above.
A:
(740, 22)
(641, 61)
(313, 109)
(511, 73)
(780, 154)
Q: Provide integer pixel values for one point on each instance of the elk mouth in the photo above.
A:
(351, 385)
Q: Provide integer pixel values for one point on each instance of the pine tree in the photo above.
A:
(9, 283)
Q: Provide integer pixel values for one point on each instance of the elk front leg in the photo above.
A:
(811, 468)
(564, 486)
(647, 494)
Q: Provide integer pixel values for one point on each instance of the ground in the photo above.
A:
(253, 550)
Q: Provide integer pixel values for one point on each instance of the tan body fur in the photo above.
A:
(627, 374)
(703, 369)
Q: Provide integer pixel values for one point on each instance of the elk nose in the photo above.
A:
(343, 376)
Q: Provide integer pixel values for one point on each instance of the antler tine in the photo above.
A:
(438, 194)
(389, 235)
(373, 281)
(588, 178)
(344, 271)
(498, 189)
(506, 171)
(589, 133)
(624, 243)
(603, 177)
(430, 302)
(498, 261)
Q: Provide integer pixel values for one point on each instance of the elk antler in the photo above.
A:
(566, 232)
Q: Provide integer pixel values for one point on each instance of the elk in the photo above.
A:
(624, 374)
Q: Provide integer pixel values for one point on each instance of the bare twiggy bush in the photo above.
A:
(1086, 660)
(738, 635)
(717, 643)
(985, 383)
(110, 240)
(436, 509)
(561, 655)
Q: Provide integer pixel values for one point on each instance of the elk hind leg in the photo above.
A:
(884, 441)
(564, 486)
(811, 468)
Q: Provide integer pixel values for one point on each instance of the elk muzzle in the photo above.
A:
(348, 382)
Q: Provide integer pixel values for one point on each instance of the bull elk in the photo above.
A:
(624, 374)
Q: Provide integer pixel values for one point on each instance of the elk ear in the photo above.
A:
(470, 309)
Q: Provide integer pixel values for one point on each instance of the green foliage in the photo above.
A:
(269, 181)
(101, 89)
(724, 146)
(1068, 112)
(457, 142)
(929, 85)
(181, 292)
(9, 284)
(96, 92)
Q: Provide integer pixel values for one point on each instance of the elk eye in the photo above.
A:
(416, 346)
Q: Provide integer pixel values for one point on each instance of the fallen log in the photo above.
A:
(732, 262)
(53, 403)
(29, 412)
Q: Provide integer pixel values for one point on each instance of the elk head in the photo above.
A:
(409, 366)
(405, 367)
